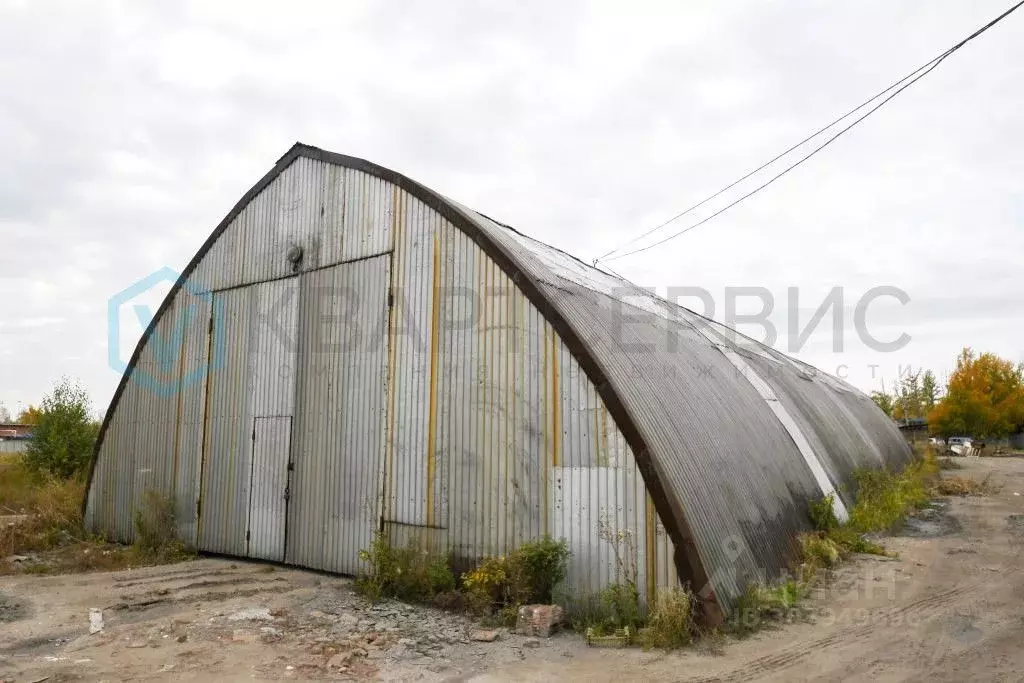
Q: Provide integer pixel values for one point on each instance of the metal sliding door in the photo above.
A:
(247, 434)
(340, 414)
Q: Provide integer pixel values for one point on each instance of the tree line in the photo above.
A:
(983, 398)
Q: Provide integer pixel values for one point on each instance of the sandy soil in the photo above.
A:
(948, 609)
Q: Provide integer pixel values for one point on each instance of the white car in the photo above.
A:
(959, 444)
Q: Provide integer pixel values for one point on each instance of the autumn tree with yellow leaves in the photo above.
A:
(984, 398)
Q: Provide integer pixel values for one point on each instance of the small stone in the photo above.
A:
(485, 636)
(269, 634)
(240, 636)
(407, 642)
(182, 638)
(252, 614)
(339, 660)
(95, 620)
(531, 642)
(136, 644)
(347, 620)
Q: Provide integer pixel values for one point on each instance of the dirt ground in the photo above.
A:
(948, 609)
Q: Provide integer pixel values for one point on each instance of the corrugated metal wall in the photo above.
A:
(497, 437)
(526, 433)
(341, 414)
(153, 440)
(740, 485)
(467, 424)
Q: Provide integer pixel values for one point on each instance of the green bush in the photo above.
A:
(536, 567)
(622, 602)
(819, 549)
(525, 576)
(822, 513)
(409, 573)
(63, 439)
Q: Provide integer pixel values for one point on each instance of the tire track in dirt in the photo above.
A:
(170, 577)
(922, 608)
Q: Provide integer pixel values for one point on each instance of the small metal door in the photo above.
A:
(268, 493)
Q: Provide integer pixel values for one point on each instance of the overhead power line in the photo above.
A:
(896, 88)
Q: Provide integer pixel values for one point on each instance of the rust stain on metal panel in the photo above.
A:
(393, 295)
(206, 432)
(545, 413)
(652, 550)
(435, 351)
(556, 396)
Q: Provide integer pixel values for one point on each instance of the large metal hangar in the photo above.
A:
(352, 353)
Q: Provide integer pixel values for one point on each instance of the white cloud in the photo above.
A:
(130, 128)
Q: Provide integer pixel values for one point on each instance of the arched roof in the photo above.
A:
(731, 437)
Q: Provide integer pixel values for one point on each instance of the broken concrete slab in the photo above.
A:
(538, 620)
(485, 635)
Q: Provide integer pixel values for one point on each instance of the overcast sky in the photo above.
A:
(129, 129)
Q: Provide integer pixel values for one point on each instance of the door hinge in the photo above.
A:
(291, 467)
(287, 494)
(391, 299)
(247, 535)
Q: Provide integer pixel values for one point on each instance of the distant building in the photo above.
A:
(913, 428)
(14, 430)
(14, 437)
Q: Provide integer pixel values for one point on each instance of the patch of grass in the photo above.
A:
(761, 605)
(494, 590)
(612, 609)
(949, 464)
(672, 623)
(961, 486)
(850, 540)
(822, 513)
(156, 531)
(52, 513)
(820, 550)
(409, 573)
(52, 535)
(18, 486)
(884, 498)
